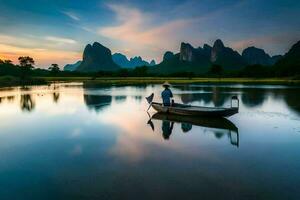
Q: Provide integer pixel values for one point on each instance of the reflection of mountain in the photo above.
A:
(253, 97)
(293, 101)
(97, 102)
(120, 98)
(213, 95)
(26, 103)
(138, 98)
(218, 125)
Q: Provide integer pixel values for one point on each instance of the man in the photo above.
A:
(166, 95)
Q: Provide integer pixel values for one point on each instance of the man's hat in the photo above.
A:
(166, 84)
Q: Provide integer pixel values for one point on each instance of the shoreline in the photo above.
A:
(173, 80)
(12, 81)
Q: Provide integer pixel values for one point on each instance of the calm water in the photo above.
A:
(86, 142)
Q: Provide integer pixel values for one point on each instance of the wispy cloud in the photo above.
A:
(281, 42)
(44, 50)
(71, 15)
(138, 31)
(60, 40)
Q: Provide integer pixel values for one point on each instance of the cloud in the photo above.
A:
(44, 50)
(281, 42)
(60, 40)
(139, 31)
(71, 15)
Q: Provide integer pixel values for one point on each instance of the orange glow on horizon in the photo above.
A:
(43, 57)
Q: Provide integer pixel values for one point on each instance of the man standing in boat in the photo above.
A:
(167, 94)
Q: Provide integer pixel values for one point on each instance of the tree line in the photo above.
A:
(25, 69)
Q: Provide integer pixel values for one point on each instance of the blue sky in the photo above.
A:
(56, 31)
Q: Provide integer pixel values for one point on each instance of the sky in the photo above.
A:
(56, 31)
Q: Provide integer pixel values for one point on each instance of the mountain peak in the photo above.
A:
(253, 55)
(168, 55)
(96, 58)
(133, 62)
(218, 44)
(186, 52)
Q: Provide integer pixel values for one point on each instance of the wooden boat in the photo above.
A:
(189, 110)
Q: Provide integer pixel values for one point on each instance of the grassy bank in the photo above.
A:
(173, 80)
(15, 81)
(7, 81)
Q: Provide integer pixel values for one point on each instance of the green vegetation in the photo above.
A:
(286, 71)
(172, 80)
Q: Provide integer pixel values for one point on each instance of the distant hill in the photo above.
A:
(226, 57)
(289, 64)
(199, 60)
(253, 55)
(96, 58)
(72, 67)
(168, 55)
(137, 61)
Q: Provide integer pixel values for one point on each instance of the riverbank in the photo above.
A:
(173, 80)
(6, 81)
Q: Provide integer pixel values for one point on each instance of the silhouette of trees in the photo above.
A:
(6, 62)
(216, 70)
(54, 68)
(26, 62)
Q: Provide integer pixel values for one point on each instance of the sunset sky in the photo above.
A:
(56, 31)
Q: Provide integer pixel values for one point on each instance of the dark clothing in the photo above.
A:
(166, 95)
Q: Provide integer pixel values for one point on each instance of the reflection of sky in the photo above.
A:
(66, 140)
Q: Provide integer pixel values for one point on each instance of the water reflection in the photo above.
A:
(138, 98)
(292, 100)
(253, 97)
(55, 97)
(10, 99)
(97, 102)
(27, 103)
(250, 96)
(120, 98)
(219, 126)
(97, 151)
(167, 128)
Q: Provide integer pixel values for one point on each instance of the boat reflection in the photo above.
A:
(219, 126)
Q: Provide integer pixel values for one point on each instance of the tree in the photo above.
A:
(122, 72)
(26, 62)
(54, 68)
(216, 70)
(8, 62)
(140, 71)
